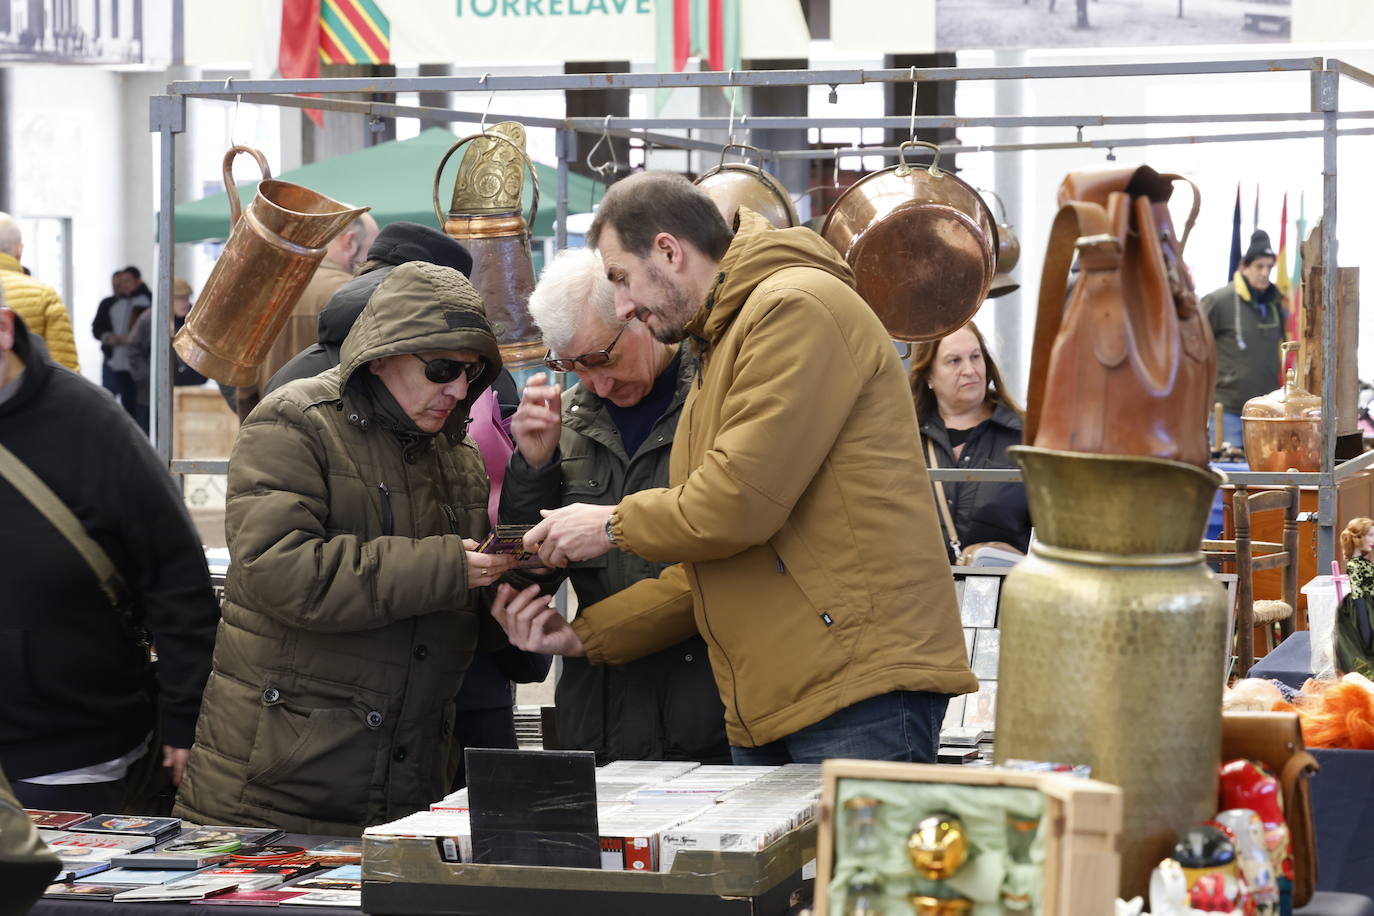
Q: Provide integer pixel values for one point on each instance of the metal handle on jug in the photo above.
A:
(529, 165)
(904, 168)
(235, 207)
(758, 155)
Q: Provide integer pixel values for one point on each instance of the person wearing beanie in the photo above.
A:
(1247, 317)
(355, 597)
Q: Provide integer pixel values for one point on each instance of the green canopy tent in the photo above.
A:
(395, 179)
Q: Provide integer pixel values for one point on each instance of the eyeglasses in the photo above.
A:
(442, 370)
(593, 360)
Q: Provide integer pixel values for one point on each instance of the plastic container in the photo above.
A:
(1321, 620)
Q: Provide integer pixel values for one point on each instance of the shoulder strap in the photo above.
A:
(946, 519)
(1075, 220)
(55, 511)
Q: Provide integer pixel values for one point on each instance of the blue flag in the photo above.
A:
(1235, 238)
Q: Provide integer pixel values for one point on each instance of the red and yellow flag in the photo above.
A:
(315, 32)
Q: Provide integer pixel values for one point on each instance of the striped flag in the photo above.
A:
(1285, 285)
(298, 50)
(708, 29)
(354, 32)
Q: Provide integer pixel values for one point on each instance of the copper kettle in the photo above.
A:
(485, 216)
(732, 185)
(922, 245)
(1008, 253)
(273, 250)
(1283, 428)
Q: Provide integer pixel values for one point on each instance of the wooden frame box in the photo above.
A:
(1083, 817)
(408, 876)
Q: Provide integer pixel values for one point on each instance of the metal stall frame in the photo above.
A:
(168, 118)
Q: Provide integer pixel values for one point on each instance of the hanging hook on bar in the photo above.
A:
(611, 165)
(913, 103)
(482, 126)
(734, 97)
(234, 119)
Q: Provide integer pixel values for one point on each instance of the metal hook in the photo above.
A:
(234, 119)
(612, 165)
(997, 197)
(913, 103)
(482, 125)
(1111, 154)
(834, 98)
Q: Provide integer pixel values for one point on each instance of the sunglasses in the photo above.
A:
(593, 360)
(441, 371)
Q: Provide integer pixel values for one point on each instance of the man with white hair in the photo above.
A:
(607, 437)
(36, 302)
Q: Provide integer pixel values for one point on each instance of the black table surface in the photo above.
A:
(1290, 663)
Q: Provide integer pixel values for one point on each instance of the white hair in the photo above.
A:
(10, 236)
(572, 289)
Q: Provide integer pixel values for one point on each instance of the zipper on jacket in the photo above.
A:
(734, 681)
(388, 520)
(452, 519)
(782, 571)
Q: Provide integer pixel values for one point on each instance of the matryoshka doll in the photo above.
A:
(1253, 856)
(1247, 784)
(1208, 858)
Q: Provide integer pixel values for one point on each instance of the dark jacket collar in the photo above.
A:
(587, 414)
(37, 368)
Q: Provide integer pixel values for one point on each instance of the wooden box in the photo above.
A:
(409, 876)
(1083, 818)
(203, 426)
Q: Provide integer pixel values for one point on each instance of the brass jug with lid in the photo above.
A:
(1283, 428)
(484, 215)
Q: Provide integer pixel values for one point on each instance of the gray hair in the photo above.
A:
(572, 289)
(10, 236)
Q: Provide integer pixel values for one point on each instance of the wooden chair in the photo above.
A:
(1252, 556)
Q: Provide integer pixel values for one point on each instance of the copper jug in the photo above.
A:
(485, 216)
(1283, 429)
(732, 185)
(273, 249)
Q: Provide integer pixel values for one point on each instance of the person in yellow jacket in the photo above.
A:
(33, 300)
(798, 509)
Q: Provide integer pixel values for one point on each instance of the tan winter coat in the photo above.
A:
(800, 509)
(42, 310)
(348, 623)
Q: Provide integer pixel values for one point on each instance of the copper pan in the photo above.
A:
(732, 185)
(273, 249)
(922, 245)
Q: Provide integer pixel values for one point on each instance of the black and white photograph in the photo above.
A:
(83, 31)
(979, 607)
(986, 649)
(965, 25)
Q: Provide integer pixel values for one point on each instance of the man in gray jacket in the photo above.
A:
(610, 436)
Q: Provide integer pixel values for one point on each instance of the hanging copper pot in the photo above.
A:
(272, 252)
(485, 216)
(922, 245)
(732, 185)
(1008, 253)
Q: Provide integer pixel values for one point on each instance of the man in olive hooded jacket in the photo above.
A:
(354, 598)
(798, 507)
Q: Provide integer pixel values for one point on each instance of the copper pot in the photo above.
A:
(1008, 254)
(273, 250)
(732, 185)
(1283, 429)
(485, 216)
(922, 245)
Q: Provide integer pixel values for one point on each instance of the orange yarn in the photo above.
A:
(1338, 715)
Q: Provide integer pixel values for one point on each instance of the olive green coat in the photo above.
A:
(347, 623)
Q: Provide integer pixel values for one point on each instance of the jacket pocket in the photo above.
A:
(315, 764)
(583, 482)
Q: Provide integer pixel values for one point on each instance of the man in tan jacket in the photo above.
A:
(341, 259)
(799, 510)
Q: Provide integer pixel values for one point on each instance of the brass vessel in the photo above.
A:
(273, 249)
(926, 905)
(922, 244)
(732, 185)
(1283, 429)
(484, 215)
(1113, 640)
(938, 846)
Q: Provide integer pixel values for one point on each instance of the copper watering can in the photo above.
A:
(485, 216)
(273, 250)
(922, 245)
(732, 185)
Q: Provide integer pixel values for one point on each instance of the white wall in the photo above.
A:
(70, 160)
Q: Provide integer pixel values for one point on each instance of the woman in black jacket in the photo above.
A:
(969, 421)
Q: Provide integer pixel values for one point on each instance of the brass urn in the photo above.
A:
(1283, 429)
(1113, 640)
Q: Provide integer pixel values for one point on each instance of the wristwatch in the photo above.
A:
(610, 534)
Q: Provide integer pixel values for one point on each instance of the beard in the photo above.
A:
(677, 308)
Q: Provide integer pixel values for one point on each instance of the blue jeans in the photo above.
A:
(1232, 431)
(902, 725)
